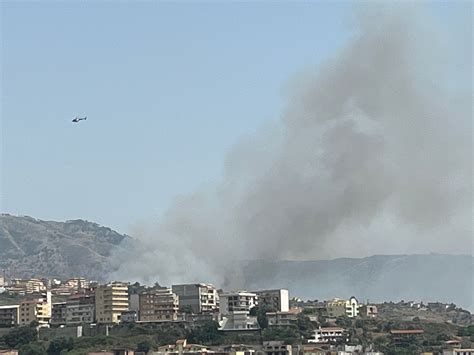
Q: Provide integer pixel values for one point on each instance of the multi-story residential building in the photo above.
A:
(9, 315)
(459, 352)
(404, 336)
(58, 313)
(78, 284)
(26, 286)
(200, 298)
(110, 301)
(339, 308)
(276, 348)
(80, 309)
(328, 335)
(37, 309)
(238, 320)
(276, 300)
(158, 305)
(237, 302)
(281, 318)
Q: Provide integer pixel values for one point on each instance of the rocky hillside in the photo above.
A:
(32, 247)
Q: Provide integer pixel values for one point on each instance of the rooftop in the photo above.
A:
(407, 331)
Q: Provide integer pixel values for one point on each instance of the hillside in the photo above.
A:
(32, 247)
(432, 277)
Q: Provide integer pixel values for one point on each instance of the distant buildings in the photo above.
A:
(111, 301)
(276, 300)
(459, 352)
(26, 286)
(369, 311)
(339, 308)
(404, 336)
(328, 335)
(158, 305)
(199, 298)
(276, 348)
(281, 318)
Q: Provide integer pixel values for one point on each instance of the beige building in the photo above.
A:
(9, 315)
(110, 301)
(339, 308)
(38, 309)
(158, 305)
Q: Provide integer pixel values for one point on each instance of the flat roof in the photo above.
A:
(407, 331)
(10, 306)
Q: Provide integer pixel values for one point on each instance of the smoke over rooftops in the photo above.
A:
(371, 155)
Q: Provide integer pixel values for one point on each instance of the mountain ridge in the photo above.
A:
(31, 247)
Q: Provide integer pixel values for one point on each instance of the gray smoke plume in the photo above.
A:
(371, 155)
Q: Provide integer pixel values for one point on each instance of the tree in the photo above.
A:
(144, 346)
(207, 333)
(59, 344)
(32, 349)
(20, 336)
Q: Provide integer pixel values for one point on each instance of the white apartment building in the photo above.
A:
(238, 320)
(328, 335)
(237, 301)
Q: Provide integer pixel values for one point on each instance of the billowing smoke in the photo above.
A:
(372, 155)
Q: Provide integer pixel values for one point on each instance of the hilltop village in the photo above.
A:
(78, 316)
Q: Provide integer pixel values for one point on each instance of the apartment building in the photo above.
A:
(110, 301)
(9, 315)
(58, 313)
(281, 318)
(158, 305)
(238, 320)
(237, 301)
(36, 309)
(80, 309)
(200, 298)
(276, 348)
(26, 286)
(339, 308)
(328, 335)
(275, 300)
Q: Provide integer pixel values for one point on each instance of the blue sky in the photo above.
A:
(168, 89)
